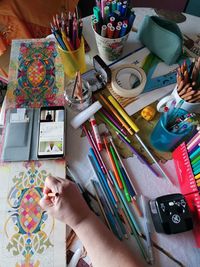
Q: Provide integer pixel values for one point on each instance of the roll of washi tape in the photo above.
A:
(128, 80)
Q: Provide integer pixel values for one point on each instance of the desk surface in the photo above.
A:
(180, 246)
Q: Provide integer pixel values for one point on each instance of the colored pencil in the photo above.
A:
(120, 174)
(112, 125)
(123, 123)
(113, 164)
(133, 221)
(109, 116)
(138, 155)
(136, 129)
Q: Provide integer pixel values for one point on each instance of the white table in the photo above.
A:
(181, 246)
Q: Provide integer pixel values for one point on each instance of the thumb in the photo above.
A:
(45, 203)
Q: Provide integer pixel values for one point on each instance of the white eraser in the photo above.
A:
(83, 116)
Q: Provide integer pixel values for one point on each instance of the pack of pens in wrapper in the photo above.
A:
(112, 19)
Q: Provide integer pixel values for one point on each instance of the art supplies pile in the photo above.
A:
(112, 22)
(67, 30)
(114, 187)
(187, 162)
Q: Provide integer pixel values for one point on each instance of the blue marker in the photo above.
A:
(123, 30)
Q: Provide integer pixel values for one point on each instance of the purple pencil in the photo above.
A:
(137, 154)
(110, 117)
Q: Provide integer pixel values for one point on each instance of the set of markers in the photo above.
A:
(177, 120)
(112, 19)
(187, 163)
(193, 148)
(67, 29)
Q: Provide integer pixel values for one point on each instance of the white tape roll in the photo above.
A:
(128, 80)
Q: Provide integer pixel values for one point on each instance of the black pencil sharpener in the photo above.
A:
(170, 214)
(97, 78)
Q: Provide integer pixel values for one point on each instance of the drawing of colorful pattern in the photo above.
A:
(36, 74)
(26, 216)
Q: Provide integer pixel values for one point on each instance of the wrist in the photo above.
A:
(86, 220)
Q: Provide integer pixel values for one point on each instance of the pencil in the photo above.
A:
(101, 205)
(52, 194)
(120, 174)
(123, 123)
(125, 204)
(112, 125)
(113, 164)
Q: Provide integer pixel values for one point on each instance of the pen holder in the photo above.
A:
(110, 49)
(164, 140)
(73, 60)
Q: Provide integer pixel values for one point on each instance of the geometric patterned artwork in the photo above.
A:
(29, 236)
(36, 76)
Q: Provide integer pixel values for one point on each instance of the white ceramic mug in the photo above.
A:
(190, 107)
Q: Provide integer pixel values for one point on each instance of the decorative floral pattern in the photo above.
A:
(26, 216)
(36, 76)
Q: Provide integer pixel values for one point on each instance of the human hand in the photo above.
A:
(67, 205)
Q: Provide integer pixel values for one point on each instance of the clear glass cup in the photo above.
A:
(75, 103)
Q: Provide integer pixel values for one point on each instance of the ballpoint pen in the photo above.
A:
(147, 230)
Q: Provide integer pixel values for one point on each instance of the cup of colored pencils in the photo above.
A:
(112, 21)
(67, 29)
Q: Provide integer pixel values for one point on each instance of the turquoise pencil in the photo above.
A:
(126, 205)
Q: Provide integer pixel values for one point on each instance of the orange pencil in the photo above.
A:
(113, 165)
(124, 124)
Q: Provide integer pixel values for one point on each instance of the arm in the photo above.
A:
(102, 246)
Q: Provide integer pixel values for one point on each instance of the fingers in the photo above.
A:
(46, 203)
(51, 184)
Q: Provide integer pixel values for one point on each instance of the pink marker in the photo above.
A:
(96, 133)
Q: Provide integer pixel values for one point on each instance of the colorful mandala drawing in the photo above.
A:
(36, 74)
(27, 220)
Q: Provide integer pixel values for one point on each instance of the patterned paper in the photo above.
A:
(29, 237)
(36, 76)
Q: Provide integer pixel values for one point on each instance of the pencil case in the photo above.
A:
(162, 37)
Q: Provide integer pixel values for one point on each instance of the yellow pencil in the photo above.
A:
(123, 114)
(124, 124)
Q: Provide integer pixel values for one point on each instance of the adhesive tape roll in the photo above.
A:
(128, 80)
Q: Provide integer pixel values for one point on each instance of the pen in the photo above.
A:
(96, 132)
(147, 230)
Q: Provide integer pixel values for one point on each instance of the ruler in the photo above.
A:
(150, 64)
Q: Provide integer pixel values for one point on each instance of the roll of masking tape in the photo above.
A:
(128, 80)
